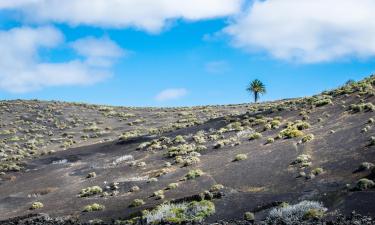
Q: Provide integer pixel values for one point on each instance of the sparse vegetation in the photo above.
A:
(172, 186)
(93, 207)
(240, 157)
(36, 205)
(180, 212)
(254, 136)
(307, 138)
(137, 202)
(192, 174)
(363, 107)
(86, 192)
(295, 214)
(364, 184)
(249, 216)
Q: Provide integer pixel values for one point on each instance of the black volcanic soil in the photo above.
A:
(263, 180)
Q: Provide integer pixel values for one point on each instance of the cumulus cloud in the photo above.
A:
(22, 70)
(171, 94)
(98, 51)
(150, 15)
(307, 30)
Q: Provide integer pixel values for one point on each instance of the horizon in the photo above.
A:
(163, 54)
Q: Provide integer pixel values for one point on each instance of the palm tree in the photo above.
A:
(256, 87)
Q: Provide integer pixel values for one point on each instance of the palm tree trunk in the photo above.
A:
(256, 96)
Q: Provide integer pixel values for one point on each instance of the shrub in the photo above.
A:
(372, 140)
(313, 214)
(295, 214)
(307, 138)
(240, 157)
(275, 123)
(216, 187)
(317, 171)
(172, 186)
(249, 216)
(183, 149)
(364, 184)
(255, 135)
(199, 138)
(177, 213)
(135, 188)
(153, 179)
(291, 133)
(362, 107)
(90, 191)
(93, 207)
(158, 194)
(191, 160)
(128, 135)
(192, 174)
(36, 205)
(230, 141)
(302, 159)
(365, 166)
(91, 175)
(140, 164)
(323, 102)
(137, 202)
(270, 140)
(179, 139)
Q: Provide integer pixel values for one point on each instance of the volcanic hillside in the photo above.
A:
(109, 164)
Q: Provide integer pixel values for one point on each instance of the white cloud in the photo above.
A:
(171, 94)
(22, 70)
(150, 15)
(99, 51)
(217, 67)
(307, 30)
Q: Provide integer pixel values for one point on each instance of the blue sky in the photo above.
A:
(187, 57)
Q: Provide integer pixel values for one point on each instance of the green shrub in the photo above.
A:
(364, 184)
(323, 102)
(158, 194)
(91, 175)
(178, 213)
(314, 214)
(36, 205)
(291, 133)
(216, 187)
(137, 202)
(183, 149)
(363, 107)
(172, 186)
(134, 188)
(249, 216)
(191, 160)
(90, 191)
(93, 207)
(255, 135)
(275, 123)
(317, 171)
(240, 157)
(270, 140)
(302, 159)
(301, 125)
(307, 138)
(179, 139)
(365, 166)
(192, 174)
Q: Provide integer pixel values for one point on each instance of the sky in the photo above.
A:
(181, 53)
